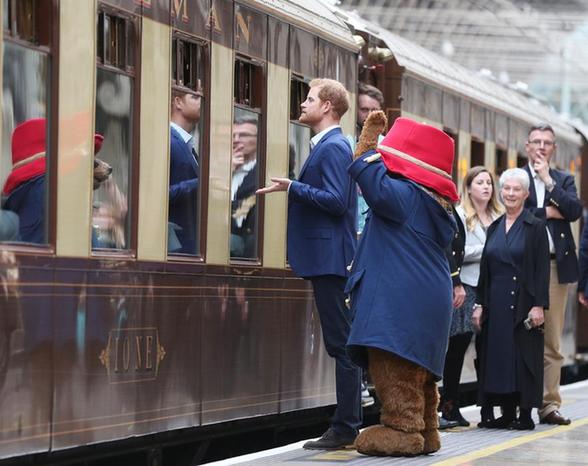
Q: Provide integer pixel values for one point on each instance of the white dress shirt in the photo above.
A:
(540, 193)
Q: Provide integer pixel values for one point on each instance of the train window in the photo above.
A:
(245, 166)
(477, 154)
(115, 44)
(27, 76)
(249, 82)
(299, 147)
(501, 161)
(115, 88)
(187, 109)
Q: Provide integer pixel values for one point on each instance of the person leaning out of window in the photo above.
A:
(512, 294)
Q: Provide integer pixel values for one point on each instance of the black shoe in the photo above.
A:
(487, 415)
(522, 424)
(500, 423)
(331, 440)
(446, 424)
(450, 412)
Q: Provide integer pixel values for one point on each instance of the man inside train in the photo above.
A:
(553, 197)
(369, 99)
(184, 172)
(322, 208)
(243, 185)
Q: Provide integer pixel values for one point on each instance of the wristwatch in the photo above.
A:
(550, 186)
(476, 306)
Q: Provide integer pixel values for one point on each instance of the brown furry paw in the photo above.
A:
(432, 441)
(384, 441)
(374, 125)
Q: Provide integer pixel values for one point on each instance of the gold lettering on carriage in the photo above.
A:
(213, 20)
(132, 355)
(182, 5)
(243, 26)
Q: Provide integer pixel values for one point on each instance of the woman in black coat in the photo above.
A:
(512, 293)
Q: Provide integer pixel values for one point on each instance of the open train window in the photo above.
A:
(477, 154)
(245, 159)
(117, 32)
(28, 77)
(501, 161)
(299, 143)
(249, 84)
(186, 146)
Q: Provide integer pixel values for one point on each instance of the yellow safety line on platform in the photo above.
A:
(515, 442)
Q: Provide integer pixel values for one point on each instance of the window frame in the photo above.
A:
(51, 49)
(261, 111)
(204, 145)
(133, 72)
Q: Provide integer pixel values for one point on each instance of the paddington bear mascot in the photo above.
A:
(400, 288)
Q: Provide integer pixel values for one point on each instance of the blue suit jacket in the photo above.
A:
(183, 192)
(564, 196)
(400, 287)
(322, 209)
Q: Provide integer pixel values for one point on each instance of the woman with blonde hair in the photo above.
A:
(479, 207)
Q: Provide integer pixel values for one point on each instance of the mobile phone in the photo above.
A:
(527, 323)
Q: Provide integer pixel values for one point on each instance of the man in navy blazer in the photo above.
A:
(322, 207)
(183, 173)
(553, 197)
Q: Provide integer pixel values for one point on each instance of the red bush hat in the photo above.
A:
(28, 152)
(422, 154)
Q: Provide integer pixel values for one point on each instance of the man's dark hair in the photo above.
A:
(371, 91)
(541, 127)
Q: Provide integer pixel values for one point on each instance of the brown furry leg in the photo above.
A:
(399, 384)
(385, 441)
(430, 433)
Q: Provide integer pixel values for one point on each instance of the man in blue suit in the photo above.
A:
(322, 207)
(183, 174)
(553, 197)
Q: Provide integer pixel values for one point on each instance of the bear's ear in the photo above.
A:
(374, 125)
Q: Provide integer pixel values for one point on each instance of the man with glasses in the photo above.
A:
(553, 197)
(244, 182)
(184, 173)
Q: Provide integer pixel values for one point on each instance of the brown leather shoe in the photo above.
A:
(555, 417)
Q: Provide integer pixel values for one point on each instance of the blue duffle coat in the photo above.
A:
(400, 287)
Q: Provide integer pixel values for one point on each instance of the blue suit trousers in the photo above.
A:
(335, 322)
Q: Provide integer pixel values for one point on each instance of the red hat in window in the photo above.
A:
(28, 152)
(421, 153)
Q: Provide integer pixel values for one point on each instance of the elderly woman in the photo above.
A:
(512, 293)
(479, 207)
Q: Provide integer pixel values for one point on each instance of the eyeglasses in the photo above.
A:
(539, 142)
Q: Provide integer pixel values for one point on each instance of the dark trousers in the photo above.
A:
(456, 350)
(335, 323)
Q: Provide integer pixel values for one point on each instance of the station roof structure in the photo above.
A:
(540, 43)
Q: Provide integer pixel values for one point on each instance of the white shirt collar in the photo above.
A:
(186, 137)
(532, 170)
(318, 136)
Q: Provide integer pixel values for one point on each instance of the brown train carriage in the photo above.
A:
(488, 121)
(107, 332)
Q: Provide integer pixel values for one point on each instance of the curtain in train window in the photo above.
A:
(25, 158)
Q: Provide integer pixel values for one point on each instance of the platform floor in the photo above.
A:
(546, 445)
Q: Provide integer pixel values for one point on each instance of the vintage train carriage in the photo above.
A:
(488, 121)
(109, 330)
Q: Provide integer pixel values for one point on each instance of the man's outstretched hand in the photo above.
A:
(278, 184)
